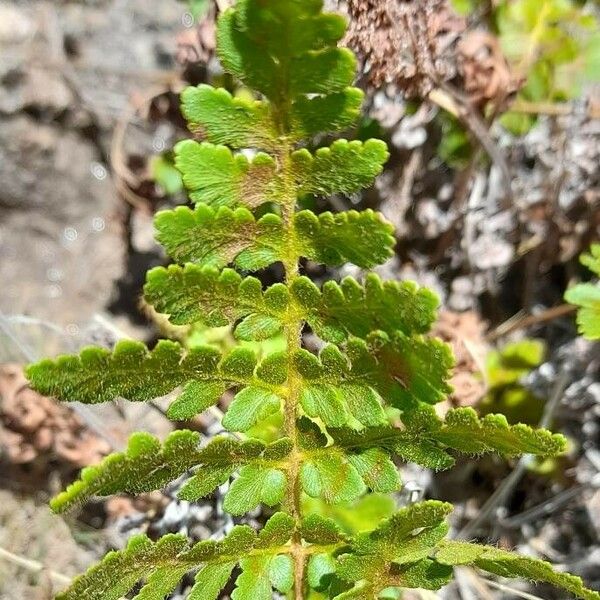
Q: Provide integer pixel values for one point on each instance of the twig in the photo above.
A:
(478, 583)
(523, 321)
(464, 585)
(34, 567)
(452, 100)
(547, 507)
(506, 487)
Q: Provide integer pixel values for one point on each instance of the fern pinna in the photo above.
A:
(337, 440)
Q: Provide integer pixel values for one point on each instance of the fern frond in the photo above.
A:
(162, 564)
(215, 176)
(214, 114)
(330, 435)
(314, 115)
(216, 238)
(426, 439)
(345, 167)
(194, 294)
(587, 297)
(508, 564)
(145, 466)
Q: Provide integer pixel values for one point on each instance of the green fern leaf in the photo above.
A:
(361, 238)
(509, 564)
(134, 373)
(329, 474)
(210, 580)
(161, 583)
(377, 471)
(145, 466)
(194, 294)
(587, 297)
(215, 298)
(216, 238)
(404, 371)
(345, 167)
(325, 114)
(222, 119)
(426, 438)
(358, 310)
(256, 484)
(396, 553)
(161, 562)
(317, 529)
(118, 572)
(219, 237)
(293, 64)
(216, 177)
(130, 371)
(592, 260)
(275, 25)
(223, 456)
(250, 406)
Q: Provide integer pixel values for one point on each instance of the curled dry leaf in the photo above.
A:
(465, 333)
(33, 425)
(486, 74)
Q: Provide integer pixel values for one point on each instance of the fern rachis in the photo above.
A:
(336, 440)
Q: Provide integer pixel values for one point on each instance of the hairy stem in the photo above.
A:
(293, 334)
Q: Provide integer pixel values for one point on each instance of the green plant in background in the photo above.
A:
(505, 369)
(587, 297)
(554, 45)
(336, 441)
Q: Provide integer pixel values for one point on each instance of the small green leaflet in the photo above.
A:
(221, 118)
(508, 564)
(250, 406)
(345, 167)
(361, 238)
(130, 371)
(216, 177)
(163, 563)
(144, 467)
(340, 476)
(587, 297)
(218, 237)
(192, 294)
(223, 456)
(426, 439)
(326, 113)
(404, 371)
(358, 310)
(133, 372)
(308, 61)
(396, 553)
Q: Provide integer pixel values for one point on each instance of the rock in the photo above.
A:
(60, 235)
